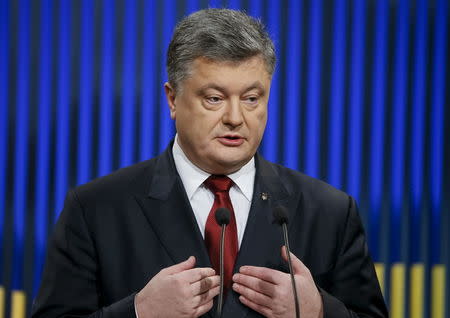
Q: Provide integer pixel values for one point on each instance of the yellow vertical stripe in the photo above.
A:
(398, 290)
(2, 302)
(438, 291)
(18, 303)
(379, 268)
(416, 291)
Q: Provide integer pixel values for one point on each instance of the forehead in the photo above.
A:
(227, 73)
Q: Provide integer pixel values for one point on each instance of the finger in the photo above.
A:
(255, 283)
(265, 311)
(252, 295)
(269, 275)
(180, 267)
(195, 274)
(297, 265)
(203, 309)
(206, 297)
(203, 285)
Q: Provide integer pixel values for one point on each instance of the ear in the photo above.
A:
(170, 95)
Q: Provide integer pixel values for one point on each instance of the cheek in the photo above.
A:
(263, 119)
(259, 121)
(199, 126)
(187, 118)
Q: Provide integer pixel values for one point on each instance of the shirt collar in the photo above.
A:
(193, 177)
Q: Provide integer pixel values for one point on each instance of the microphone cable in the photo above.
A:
(280, 218)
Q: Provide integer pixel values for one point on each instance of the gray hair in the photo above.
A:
(219, 35)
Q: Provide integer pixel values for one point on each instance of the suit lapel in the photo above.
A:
(170, 215)
(262, 240)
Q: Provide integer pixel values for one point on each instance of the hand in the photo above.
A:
(269, 291)
(178, 291)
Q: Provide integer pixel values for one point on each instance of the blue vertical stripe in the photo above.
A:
(438, 90)
(255, 9)
(21, 144)
(63, 101)
(234, 4)
(313, 103)
(85, 110)
(356, 96)
(149, 85)
(377, 124)
(106, 125)
(271, 135)
(399, 96)
(4, 115)
(215, 4)
(293, 70)
(166, 128)
(418, 126)
(192, 6)
(127, 136)
(336, 113)
(43, 142)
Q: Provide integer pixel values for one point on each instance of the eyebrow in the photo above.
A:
(255, 85)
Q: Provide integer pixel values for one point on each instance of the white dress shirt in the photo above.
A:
(202, 199)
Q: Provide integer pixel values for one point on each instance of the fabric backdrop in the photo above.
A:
(360, 99)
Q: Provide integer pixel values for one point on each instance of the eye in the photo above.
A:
(252, 100)
(213, 99)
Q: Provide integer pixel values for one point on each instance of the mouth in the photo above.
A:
(231, 140)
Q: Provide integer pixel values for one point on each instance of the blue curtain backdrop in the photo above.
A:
(360, 99)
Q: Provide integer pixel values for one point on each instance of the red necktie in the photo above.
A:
(220, 186)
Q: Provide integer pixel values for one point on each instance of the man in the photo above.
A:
(143, 240)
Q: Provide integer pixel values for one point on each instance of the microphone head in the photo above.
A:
(280, 215)
(222, 216)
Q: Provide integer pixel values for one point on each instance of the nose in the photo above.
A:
(233, 116)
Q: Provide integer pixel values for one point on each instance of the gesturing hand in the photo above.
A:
(178, 291)
(269, 291)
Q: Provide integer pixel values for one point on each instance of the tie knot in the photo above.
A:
(217, 183)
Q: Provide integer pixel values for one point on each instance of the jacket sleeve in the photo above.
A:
(354, 290)
(70, 286)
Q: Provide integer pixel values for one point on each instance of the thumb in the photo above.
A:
(297, 266)
(180, 267)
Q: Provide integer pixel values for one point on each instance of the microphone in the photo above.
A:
(222, 216)
(280, 218)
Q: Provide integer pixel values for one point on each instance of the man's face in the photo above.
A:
(220, 112)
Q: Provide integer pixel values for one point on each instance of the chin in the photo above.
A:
(229, 166)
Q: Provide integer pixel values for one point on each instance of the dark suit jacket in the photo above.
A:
(116, 232)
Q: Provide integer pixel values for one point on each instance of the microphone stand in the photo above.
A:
(288, 252)
(222, 244)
